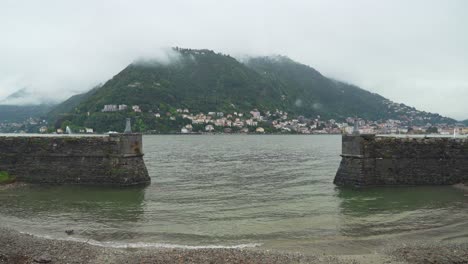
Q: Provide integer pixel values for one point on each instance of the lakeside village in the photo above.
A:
(253, 122)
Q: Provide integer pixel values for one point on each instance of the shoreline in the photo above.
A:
(13, 185)
(461, 186)
(17, 247)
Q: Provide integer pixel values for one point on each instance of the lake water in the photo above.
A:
(273, 192)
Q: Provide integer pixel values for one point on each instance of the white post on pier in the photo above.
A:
(356, 127)
(128, 127)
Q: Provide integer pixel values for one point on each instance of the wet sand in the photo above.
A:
(17, 247)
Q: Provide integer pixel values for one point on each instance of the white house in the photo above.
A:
(260, 130)
(255, 113)
(136, 108)
(110, 108)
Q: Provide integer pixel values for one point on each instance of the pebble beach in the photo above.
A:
(20, 248)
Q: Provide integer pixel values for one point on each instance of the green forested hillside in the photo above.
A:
(315, 94)
(199, 80)
(69, 105)
(15, 113)
(204, 81)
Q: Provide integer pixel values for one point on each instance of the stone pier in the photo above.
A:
(116, 159)
(369, 160)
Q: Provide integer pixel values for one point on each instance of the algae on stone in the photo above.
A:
(6, 178)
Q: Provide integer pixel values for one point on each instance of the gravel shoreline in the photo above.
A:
(13, 185)
(20, 248)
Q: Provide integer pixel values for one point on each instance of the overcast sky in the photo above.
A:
(410, 51)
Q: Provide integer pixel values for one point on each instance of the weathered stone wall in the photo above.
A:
(368, 160)
(116, 159)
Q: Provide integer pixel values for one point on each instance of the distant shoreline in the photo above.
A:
(172, 134)
(237, 134)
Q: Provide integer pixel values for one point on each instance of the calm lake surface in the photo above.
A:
(274, 192)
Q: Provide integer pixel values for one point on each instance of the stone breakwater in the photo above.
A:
(116, 159)
(369, 160)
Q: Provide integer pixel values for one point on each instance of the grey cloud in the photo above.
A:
(412, 52)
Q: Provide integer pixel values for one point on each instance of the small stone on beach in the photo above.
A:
(43, 259)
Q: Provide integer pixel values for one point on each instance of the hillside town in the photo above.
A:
(254, 121)
(280, 122)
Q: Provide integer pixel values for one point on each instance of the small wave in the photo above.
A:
(165, 245)
(112, 244)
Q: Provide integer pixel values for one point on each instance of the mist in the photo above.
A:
(410, 52)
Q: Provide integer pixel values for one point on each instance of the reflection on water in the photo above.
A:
(121, 204)
(376, 211)
(231, 190)
(57, 208)
(365, 202)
